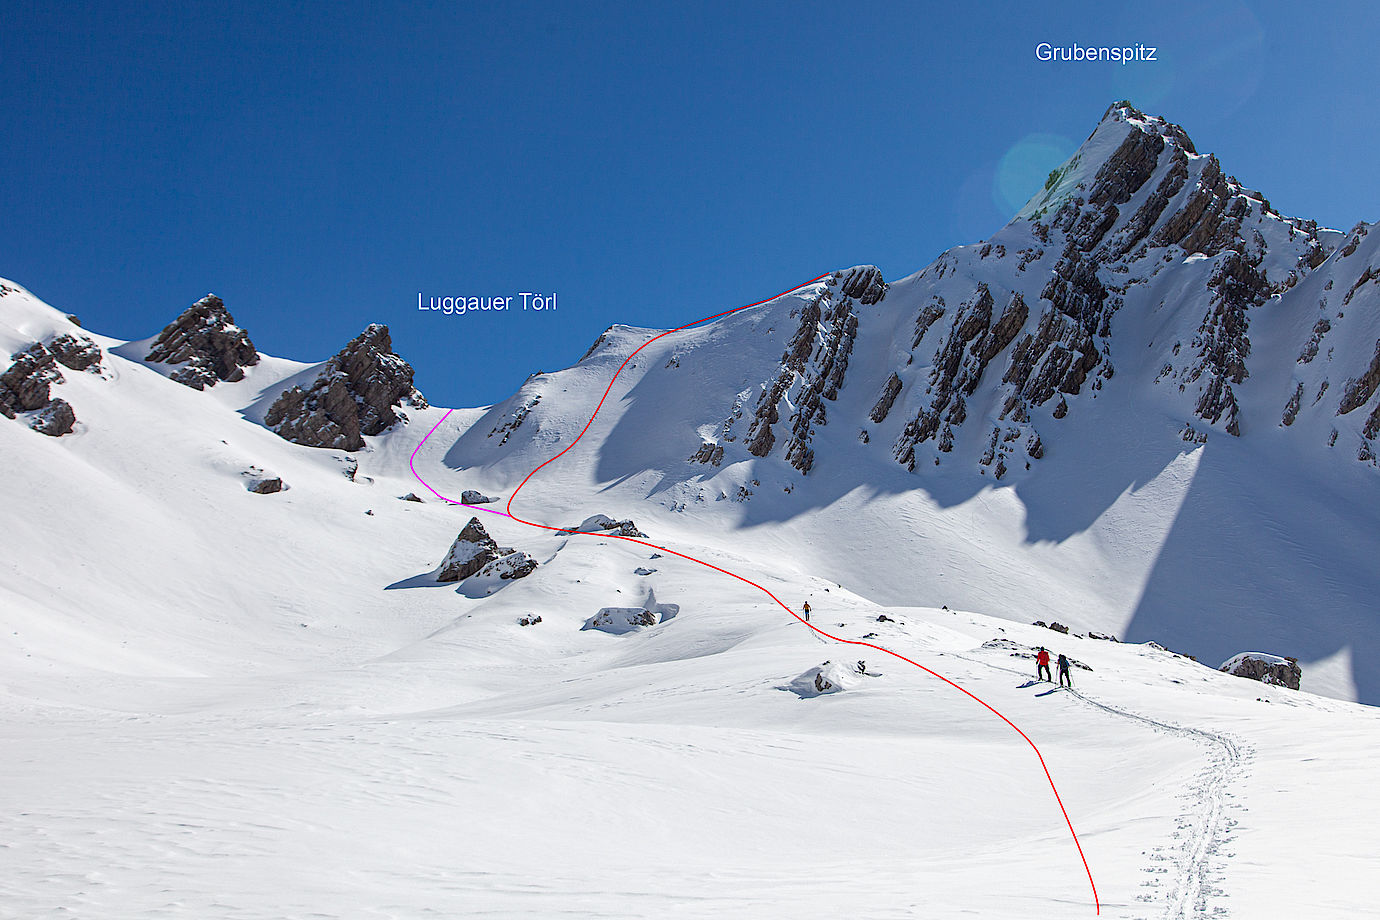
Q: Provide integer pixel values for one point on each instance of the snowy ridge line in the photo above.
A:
(1097, 904)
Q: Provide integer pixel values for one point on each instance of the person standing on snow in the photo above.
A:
(1042, 664)
(806, 609)
(1064, 679)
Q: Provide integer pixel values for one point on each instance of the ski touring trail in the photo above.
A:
(1191, 879)
(1186, 873)
(827, 636)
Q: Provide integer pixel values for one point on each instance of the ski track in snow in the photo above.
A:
(1097, 902)
(1205, 830)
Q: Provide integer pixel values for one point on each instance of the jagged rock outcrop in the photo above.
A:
(1358, 390)
(890, 391)
(1222, 341)
(1269, 669)
(712, 454)
(356, 394)
(864, 283)
(472, 549)
(206, 340)
(813, 367)
(26, 384)
(961, 360)
(76, 353)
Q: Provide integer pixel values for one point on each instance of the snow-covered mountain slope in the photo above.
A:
(235, 703)
(1144, 407)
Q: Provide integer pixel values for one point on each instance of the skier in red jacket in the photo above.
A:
(1042, 664)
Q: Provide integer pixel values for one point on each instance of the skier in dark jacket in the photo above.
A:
(1064, 679)
(1042, 664)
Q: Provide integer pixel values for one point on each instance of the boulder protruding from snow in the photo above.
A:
(471, 497)
(55, 419)
(1268, 669)
(472, 550)
(602, 523)
(829, 677)
(356, 394)
(206, 340)
(508, 566)
(619, 620)
(266, 486)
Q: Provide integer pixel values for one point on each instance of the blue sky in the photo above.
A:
(319, 165)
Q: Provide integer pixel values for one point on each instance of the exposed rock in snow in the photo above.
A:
(864, 282)
(643, 570)
(76, 353)
(619, 620)
(471, 497)
(472, 549)
(1017, 650)
(355, 394)
(885, 401)
(515, 420)
(266, 486)
(508, 566)
(1358, 390)
(532, 620)
(55, 419)
(813, 366)
(205, 339)
(25, 385)
(409, 497)
(1269, 669)
(829, 677)
(602, 523)
(710, 453)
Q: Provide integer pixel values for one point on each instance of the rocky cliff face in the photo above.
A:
(357, 393)
(207, 343)
(813, 368)
(1139, 250)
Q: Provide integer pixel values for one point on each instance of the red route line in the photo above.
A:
(1043, 766)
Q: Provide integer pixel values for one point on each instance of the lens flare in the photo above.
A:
(1024, 168)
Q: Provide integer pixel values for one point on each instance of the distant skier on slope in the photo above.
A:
(1042, 664)
(1064, 679)
(806, 610)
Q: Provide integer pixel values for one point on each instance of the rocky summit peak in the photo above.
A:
(206, 340)
(355, 394)
(1124, 112)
